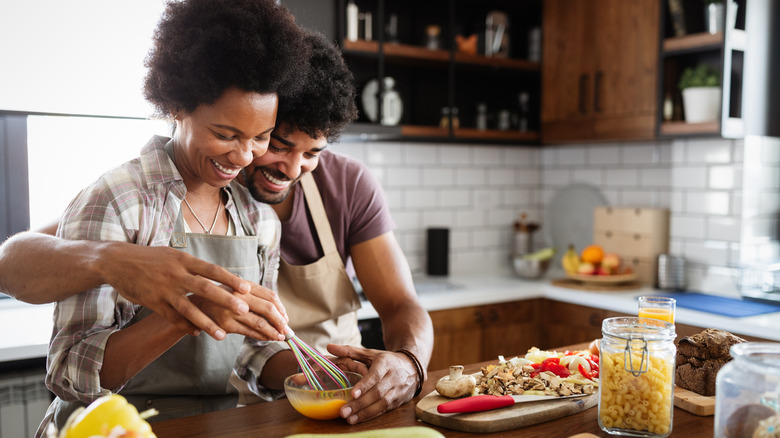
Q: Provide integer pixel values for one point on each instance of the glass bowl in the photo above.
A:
(530, 269)
(316, 404)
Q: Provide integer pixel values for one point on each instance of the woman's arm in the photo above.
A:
(155, 277)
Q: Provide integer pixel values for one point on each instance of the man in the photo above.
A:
(322, 310)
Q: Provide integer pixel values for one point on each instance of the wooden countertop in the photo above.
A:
(279, 419)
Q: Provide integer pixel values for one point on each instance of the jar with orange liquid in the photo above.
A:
(661, 308)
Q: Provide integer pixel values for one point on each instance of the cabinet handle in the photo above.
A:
(597, 91)
(583, 84)
(492, 315)
(478, 319)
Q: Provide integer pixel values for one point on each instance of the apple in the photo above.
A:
(586, 268)
(611, 262)
(601, 270)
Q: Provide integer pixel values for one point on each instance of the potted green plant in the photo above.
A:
(700, 87)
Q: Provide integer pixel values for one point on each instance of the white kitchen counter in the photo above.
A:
(25, 329)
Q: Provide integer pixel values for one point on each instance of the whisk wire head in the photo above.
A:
(308, 358)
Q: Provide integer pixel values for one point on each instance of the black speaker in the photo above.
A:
(438, 251)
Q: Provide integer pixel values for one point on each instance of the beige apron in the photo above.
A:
(191, 377)
(320, 299)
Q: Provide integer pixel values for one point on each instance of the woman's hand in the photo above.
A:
(161, 278)
(266, 320)
(389, 380)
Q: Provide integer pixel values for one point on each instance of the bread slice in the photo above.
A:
(700, 357)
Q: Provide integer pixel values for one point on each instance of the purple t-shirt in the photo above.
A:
(355, 205)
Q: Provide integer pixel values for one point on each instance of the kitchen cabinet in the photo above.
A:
(479, 333)
(484, 332)
(440, 87)
(599, 70)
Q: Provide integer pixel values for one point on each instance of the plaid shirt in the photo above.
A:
(137, 202)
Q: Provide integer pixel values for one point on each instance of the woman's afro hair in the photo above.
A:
(325, 104)
(203, 47)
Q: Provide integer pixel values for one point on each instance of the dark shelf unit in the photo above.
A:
(429, 80)
(724, 51)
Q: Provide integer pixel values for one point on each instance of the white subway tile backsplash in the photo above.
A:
(501, 177)
(621, 177)
(724, 177)
(528, 177)
(572, 156)
(517, 196)
(604, 155)
(384, 154)
(420, 154)
(455, 198)
(708, 252)
(478, 190)
(684, 177)
(592, 177)
(420, 198)
(471, 177)
(487, 155)
(438, 177)
(407, 220)
(351, 149)
(640, 154)
(655, 178)
(437, 218)
(687, 227)
(556, 178)
(526, 157)
(709, 150)
(403, 176)
(470, 218)
(487, 198)
(713, 203)
(643, 198)
(724, 228)
(455, 154)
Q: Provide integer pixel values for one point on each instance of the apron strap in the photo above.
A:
(317, 209)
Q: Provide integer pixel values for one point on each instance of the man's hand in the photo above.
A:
(160, 278)
(388, 381)
(265, 321)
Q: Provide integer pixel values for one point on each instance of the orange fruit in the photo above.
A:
(592, 254)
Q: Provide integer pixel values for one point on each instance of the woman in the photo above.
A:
(216, 68)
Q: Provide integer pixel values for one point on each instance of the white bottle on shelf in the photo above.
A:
(352, 21)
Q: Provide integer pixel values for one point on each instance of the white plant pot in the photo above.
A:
(701, 104)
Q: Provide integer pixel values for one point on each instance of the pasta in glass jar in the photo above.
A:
(636, 392)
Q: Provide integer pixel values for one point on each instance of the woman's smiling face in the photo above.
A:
(214, 142)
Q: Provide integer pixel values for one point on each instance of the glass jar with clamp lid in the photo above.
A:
(636, 370)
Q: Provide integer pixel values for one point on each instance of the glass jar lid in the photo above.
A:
(632, 328)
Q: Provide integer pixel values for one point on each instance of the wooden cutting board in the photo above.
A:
(696, 404)
(497, 420)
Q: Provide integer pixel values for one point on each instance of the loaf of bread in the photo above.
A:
(700, 357)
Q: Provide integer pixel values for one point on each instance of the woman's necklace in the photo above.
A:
(216, 215)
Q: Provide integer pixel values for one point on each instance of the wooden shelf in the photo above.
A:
(418, 53)
(491, 134)
(693, 42)
(469, 134)
(683, 128)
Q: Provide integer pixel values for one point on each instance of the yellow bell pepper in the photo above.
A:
(104, 415)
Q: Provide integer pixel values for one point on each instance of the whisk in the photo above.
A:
(308, 358)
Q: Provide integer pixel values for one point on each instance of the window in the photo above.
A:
(65, 154)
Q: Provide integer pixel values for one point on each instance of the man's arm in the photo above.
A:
(387, 282)
(159, 278)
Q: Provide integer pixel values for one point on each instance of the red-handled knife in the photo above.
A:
(479, 403)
